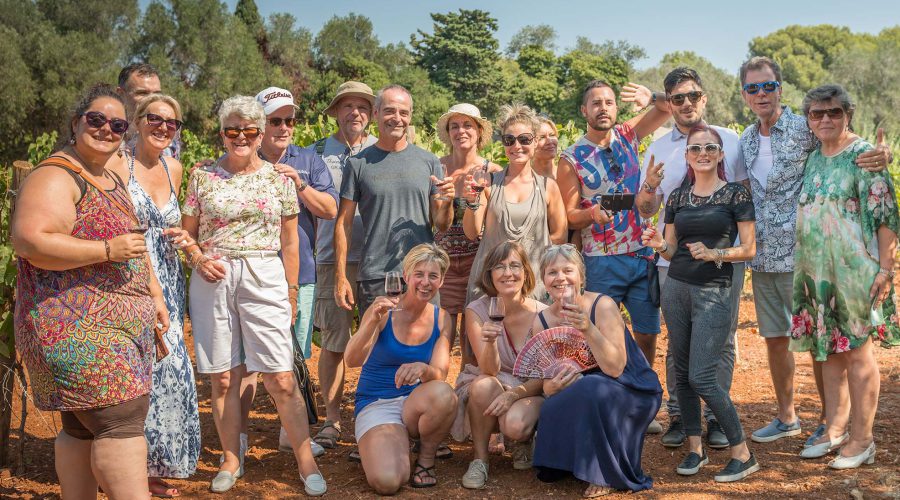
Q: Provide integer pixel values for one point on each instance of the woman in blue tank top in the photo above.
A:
(404, 356)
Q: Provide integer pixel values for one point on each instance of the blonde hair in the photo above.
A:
(242, 106)
(511, 114)
(568, 252)
(141, 109)
(425, 253)
(544, 119)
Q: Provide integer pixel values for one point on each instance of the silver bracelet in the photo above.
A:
(720, 256)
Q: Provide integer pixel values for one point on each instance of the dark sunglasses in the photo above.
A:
(711, 148)
(96, 119)
(288, 122)
(171, 124)
(754, 88)
(833, 113)
(678, 99)
(235, 132)
(614, 166)
(524, 139)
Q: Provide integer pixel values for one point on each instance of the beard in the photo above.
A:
(596, 125)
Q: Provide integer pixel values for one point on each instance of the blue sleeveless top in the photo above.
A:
(376, 381)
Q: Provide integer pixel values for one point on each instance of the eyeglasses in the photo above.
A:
(513, 267)
(678, 99)
(96, 119)
(235, 132)
(524, 139)
(754, 88)
(288, 122)
(711, 148)
(171, 124)
(833, 113)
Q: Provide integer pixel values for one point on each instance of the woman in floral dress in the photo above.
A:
(847, 226)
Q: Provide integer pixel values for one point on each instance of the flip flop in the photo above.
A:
(443, 452)
(418, 472)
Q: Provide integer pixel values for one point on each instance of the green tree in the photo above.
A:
(576, 69)
(537, 61)
(724, 104)
(541, 35)
(616, 49)
(247, 12)
(461, 56)
(290, 48)
(342, 37)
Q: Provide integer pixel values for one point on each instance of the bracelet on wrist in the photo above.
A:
(664, 248)
(295, 288)
(648, 188)
(888, 273)
(106, 247)
(473, 206)
(720, 257)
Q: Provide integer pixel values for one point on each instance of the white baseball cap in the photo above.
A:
(274, 98)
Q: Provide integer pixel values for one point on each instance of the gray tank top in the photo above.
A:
(524, 222)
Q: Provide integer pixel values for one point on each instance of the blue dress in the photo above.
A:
(172, 427)
(594, 429)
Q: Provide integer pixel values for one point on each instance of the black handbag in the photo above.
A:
(653, 279)
(304, 381)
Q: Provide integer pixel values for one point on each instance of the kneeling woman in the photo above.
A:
(592, 425)
(403, 346)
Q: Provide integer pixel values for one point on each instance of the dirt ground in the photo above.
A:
(271, 474)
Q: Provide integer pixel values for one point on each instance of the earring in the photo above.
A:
(72, 140)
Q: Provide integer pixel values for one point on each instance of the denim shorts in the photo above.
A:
(624, 279)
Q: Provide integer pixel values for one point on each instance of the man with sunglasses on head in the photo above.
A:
(687, 101)
(602, 162)
(318, 199)
(137, 81)
(775, 149)
(351, 108)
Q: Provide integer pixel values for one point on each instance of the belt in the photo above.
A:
(244, 255)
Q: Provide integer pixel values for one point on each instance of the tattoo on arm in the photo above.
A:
(648, 207)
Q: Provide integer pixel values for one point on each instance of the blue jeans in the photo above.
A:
(624, 279)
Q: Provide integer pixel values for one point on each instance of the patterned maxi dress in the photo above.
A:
(172, 427)
(85, 334)
(840, 210)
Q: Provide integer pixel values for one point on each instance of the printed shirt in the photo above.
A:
(776, 204)
(240, 213)
(606, 171)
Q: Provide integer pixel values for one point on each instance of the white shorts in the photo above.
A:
(243, 319)
(380, 412)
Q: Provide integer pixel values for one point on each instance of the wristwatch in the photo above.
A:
(652, 98)
(302, 185)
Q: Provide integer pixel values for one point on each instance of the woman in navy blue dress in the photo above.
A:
(592, 424)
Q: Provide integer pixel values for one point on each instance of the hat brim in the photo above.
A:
(330, 111)
(444, 135)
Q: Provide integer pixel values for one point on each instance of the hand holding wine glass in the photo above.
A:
(393, 287)
(443, 184)
(567, 302)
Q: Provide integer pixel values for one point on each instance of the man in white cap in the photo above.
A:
(351, 107)
(317, 196)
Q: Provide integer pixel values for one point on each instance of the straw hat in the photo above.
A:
(470, 111)
(351, 89)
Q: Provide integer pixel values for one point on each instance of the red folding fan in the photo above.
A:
(547, 352)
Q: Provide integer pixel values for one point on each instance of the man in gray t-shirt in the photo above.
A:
(393, 183)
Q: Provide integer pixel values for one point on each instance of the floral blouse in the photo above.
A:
(240, 213)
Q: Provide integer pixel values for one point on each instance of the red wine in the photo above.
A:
(477, 188)
(393, 293)
(497, 317)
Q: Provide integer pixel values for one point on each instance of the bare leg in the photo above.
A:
(647, 343)
(73, 467)
(429, 413)
(865, 384)
(120, 466)
(837, 397)
(482, 392)
(331, 379)
(519, 422)
(384, 451)
(248, 394)
(226, 411)
(781, 367)
(820, 388)
(292, 412)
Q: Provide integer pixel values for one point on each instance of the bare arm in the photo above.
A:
(647, 122)
(319, 203)
(570, 191)
(473, 220)
(648, 202)
(486, 352)
(442, 210)
(290, 248)
(343, 229)
(556, 214)
(607, 338)
(361, 343)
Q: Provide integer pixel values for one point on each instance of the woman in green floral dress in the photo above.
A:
(847, 226)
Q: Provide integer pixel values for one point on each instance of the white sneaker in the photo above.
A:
(477, 475)
(284, 444)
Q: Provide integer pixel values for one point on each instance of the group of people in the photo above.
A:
(282, 238)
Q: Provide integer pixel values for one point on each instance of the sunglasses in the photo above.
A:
(833, 113)
(524, 139)
(288, 122)
(711, 148)
(96, 119)
(235, 132)
(172, 124)
(754, 88)
(678, 99)
(614, 166)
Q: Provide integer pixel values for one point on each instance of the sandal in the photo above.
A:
(422, 473)
(354, 456)
(599, 491)
(443, 452)
(328, 441)
(162, 489)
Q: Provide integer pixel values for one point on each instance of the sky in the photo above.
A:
(717, 30)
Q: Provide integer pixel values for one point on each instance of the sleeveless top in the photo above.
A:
(376, 381)
(85, 334)
(533, 234)
(638, 374)
(454, 239)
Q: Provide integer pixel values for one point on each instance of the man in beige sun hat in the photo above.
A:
(351, 107)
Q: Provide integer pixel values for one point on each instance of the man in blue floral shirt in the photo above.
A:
(775, 149)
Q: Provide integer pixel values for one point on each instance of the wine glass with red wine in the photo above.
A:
(393, 286)
(482, 178)
(497, 310)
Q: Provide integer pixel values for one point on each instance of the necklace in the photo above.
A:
(703, 200)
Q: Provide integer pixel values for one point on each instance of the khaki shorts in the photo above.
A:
(772, 295)
(334, 322)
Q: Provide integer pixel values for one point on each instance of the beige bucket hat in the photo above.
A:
(354, 89)
(472, 112)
